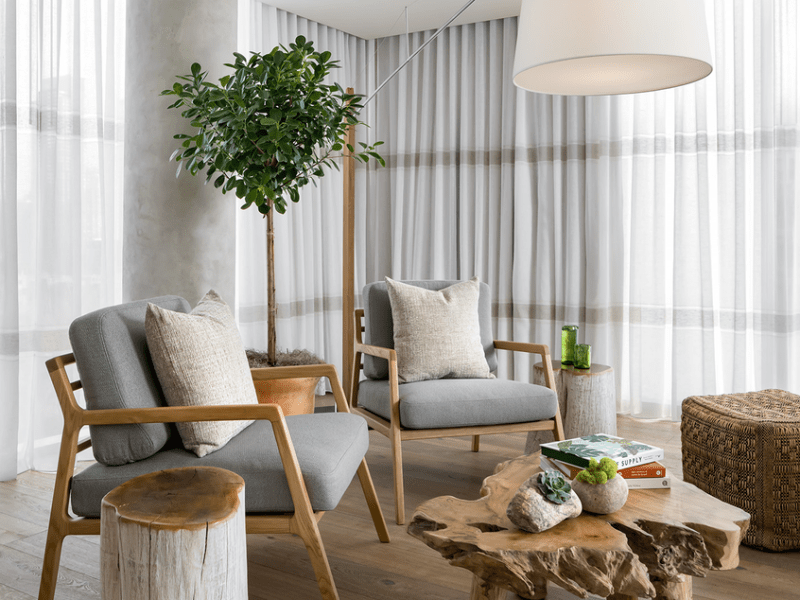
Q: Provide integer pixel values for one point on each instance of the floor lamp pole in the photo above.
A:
(348, 258)
(348, 237)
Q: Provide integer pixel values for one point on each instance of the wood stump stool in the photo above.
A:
(587, 399)
(175, 534)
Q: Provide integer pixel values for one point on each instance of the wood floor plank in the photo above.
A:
(363, 568)
(12, 528)
(21, 572)
(81, 553)
(7, 593)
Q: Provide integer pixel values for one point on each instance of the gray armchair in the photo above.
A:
(294, 467)
(441, 407)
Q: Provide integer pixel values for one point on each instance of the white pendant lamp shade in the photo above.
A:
(598, 47)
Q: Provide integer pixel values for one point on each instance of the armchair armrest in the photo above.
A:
(390, 355)
(542, 350)
(180, 414)
(377, 351)
(329, 371)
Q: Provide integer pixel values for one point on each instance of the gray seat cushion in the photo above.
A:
(460, 402)
(329, 449)
(114, 364)
(379, 325)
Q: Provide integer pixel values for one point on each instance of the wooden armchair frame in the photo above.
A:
(398, 434)
(302, 522)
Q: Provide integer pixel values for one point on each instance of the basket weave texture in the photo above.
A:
(745, 450)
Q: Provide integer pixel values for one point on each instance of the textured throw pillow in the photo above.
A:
(437, 334)
(200, 360)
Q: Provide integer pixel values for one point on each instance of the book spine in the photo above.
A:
(565, 457)
(649, 483)
(642, 458)
(641, 483)
(653, 469)
(547, 464)
(650, 470)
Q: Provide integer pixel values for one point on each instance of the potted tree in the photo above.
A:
(265, 130)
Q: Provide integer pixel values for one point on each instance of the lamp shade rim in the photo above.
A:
(607, 47)
(574, 76)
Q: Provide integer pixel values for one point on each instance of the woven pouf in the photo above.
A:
(745, 450)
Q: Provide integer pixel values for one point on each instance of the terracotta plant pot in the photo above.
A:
(602, 499)
(294, 396)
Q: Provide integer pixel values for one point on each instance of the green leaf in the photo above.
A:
(271, 125)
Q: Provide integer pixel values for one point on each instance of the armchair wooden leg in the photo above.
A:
(399, 493)
(372, 501)
(476, 443)
(52, 558)
(307, 529)
(558, 429)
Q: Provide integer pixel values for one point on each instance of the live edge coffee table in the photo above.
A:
(651, 547)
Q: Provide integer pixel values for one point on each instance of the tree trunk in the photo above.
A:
(272, 309)
(177, 534)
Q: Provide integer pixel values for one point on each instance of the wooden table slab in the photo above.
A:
(651, 547)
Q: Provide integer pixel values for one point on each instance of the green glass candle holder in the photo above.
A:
(583, 356)
(569, 336)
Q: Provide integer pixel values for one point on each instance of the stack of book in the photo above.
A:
(637, 463)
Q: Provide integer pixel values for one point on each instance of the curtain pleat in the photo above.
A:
(60, 211)
(662, 223)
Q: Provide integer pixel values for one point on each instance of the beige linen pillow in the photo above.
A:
(437, 334)
(200, 360)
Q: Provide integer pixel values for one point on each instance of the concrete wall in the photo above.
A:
(179, 234)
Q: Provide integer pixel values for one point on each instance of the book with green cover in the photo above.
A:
(579, 451)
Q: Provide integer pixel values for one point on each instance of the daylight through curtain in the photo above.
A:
(664, 224)
(61, 127)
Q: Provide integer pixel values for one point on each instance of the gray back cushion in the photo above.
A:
(380, 326)
(114, 364)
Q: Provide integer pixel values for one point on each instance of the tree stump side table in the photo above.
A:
(173, 535)
(587, 399)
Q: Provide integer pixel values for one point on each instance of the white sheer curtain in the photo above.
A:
(61, 126)
(663, 223)
(308, 238)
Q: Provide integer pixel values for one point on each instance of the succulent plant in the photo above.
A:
(598, 473)
(554, 487)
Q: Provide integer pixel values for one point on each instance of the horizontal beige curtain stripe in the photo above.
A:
(12, 343)
(682, 318)
(639, 146)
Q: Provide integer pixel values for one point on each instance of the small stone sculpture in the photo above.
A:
(599, 488)
(531, 509)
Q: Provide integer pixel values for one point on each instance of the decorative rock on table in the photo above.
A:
(599, 487)
(532, 509)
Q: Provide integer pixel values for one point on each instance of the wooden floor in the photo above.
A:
(362, 567)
